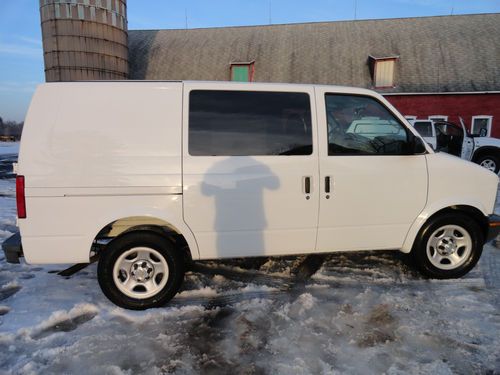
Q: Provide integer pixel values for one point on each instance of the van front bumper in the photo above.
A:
(493, 227)
(12, 248)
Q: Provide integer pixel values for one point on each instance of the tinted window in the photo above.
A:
(424, 128)
(359, 125)
(242, 123)
(449, 138)
(448, 129)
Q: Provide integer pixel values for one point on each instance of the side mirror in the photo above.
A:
(483, 132)
(417, 146)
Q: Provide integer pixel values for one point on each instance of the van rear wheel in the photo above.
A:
(448, 246)
(140, 270)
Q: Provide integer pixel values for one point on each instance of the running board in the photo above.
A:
(76, 267)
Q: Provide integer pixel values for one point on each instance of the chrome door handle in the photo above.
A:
(328, 186)
(307, 185)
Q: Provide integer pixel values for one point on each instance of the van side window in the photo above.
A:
(360, 125)
(245, 123)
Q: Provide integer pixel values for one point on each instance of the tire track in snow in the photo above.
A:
(289, 288)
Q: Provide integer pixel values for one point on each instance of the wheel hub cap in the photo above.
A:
(142, 270)
(449, 246)
(446, 246)
(489, 164)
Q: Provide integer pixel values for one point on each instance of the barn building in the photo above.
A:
(428, 67)
(442, 67)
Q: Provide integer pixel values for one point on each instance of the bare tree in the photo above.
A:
(11, 128)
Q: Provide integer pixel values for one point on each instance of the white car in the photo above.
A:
(147, 176)
(453, 139)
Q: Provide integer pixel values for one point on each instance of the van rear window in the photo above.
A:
(246, 123)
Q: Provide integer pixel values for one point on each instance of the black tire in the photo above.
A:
(119, 246)
(419, 251)
(490, 160)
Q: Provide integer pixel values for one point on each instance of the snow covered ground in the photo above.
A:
(359, 313)
(8, 148)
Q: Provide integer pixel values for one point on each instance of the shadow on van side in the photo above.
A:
(238, 184)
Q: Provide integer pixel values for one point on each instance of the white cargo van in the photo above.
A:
(147, 176)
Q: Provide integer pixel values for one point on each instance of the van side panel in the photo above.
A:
(103, 135)
(95, 152)
(61, 230)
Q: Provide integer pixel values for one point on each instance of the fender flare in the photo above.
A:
(450, 203)
(179, 227)
(495, 151)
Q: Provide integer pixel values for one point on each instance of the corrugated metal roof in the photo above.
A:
(436, 54)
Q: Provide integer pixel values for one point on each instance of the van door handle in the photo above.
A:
(307, 185)
(327, 184)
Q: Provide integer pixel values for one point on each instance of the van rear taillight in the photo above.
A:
(20, 198)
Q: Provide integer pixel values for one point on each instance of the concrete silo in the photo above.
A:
(84, 39)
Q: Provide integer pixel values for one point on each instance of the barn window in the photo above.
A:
(482, 125)
(382, 70)
(242, 71)
(438, 118)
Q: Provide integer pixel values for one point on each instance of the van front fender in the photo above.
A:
(429, 211)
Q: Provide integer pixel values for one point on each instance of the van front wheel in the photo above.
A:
(140, 270)
(448, 246)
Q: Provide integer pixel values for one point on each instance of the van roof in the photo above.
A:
(228, 83)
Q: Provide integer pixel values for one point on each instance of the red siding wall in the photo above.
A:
(451, 105)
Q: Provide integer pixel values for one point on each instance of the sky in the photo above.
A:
(21, 55)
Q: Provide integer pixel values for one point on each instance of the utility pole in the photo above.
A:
(186, 17)
(355, 9)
